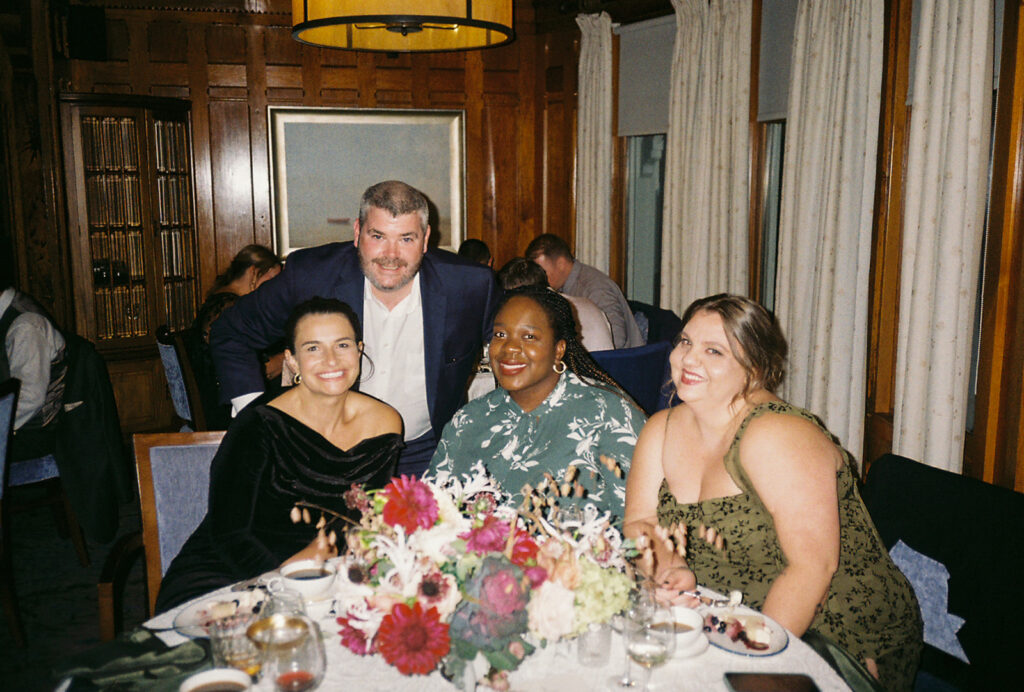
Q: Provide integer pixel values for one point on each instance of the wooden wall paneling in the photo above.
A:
(231, 178)
(140, 390)
(993, 449)
(525, 224)
(887, 234)
(199, 87)
(560, 60)
(44, 271)
(138, 59)
(256, 82)
(478, 164)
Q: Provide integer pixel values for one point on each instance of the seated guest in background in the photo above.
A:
(309, 444)
(425, 314)
(34, 352)
(765, 495)
(554, 408)
(476, 251)
(251, 267)
(594, 331)
(572, 277)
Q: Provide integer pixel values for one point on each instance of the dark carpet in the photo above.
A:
(57, 595)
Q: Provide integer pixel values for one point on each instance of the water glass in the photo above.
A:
(651, 641)
(230, 646)
(594, 644)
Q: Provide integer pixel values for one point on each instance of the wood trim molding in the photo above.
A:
(993, 450)
(887, 232)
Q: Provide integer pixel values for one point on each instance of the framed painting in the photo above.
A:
(323, 159)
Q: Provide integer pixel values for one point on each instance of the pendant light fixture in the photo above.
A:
(402, 26)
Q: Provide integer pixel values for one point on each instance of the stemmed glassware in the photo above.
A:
(650, 640)
(641, 607)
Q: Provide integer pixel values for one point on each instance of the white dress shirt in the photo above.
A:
(393, 339)
(32, 344)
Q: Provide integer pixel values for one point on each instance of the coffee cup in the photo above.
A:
(311, 578)
(689, 626)
(217, 680)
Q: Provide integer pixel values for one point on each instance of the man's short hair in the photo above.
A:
(396, 198)
(475, 251)
(549, 245)
(519, 272)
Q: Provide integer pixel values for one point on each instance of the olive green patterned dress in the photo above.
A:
(870, 608)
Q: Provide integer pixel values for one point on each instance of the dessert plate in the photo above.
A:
(778, 637)
(191, 621)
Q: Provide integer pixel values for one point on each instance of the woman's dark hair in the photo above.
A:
(323, 306)
(754, 335)
(563, 323)
(250, 256)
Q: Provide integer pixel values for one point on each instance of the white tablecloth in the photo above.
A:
(555, 669)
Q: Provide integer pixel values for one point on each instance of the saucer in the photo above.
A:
(699, 646)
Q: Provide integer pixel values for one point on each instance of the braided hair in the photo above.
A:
(563, 323)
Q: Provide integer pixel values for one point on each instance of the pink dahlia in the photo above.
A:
(409, 504)
(503, 593)
(413, 640)
(489, 537)
(353, 639)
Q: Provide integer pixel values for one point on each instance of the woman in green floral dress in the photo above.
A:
(766, 496)
(554, 409)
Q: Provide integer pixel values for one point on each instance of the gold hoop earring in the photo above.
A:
(297, 379)
(555, 366)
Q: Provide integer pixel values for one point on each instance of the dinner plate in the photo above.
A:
(190, 621)
(778, 637)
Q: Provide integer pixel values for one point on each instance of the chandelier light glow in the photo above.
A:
(402, 26)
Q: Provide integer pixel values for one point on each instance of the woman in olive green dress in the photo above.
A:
(766, 496)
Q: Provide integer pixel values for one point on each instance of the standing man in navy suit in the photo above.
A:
(425, 316)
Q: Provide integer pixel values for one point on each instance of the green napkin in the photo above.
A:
(136, 660)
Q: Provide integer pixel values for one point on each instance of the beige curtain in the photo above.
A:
(594, 141)
(828, 180)
(704, 236)
(947, 166)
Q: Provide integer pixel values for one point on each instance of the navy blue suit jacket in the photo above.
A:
(458, 299)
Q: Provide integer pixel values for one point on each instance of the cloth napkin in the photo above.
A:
(136, 660)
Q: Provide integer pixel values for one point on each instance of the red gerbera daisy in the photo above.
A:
(409, 504)
(413, 640)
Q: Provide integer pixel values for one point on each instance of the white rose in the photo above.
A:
(551, 612)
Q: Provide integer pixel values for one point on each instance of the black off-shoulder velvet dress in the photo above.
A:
(267, 462)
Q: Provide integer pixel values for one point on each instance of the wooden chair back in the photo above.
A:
(174, 476)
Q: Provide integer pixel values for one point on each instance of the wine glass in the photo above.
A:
(651, 641)
(641, 606)
(293, 652)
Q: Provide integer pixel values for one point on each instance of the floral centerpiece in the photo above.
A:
(441, 572)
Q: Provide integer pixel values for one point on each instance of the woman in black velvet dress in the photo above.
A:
(310, 443)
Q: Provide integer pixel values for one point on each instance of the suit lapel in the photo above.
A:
(349, 282)
(435, 308)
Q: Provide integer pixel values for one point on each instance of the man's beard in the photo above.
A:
(403, 280)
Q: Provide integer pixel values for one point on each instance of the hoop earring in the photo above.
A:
(555, 366)
(297, 379)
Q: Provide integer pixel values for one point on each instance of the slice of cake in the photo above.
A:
(752, 630)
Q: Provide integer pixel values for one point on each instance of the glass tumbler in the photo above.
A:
(293, 652)
(230, 646)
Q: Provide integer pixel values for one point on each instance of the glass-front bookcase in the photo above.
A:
(128, 168)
